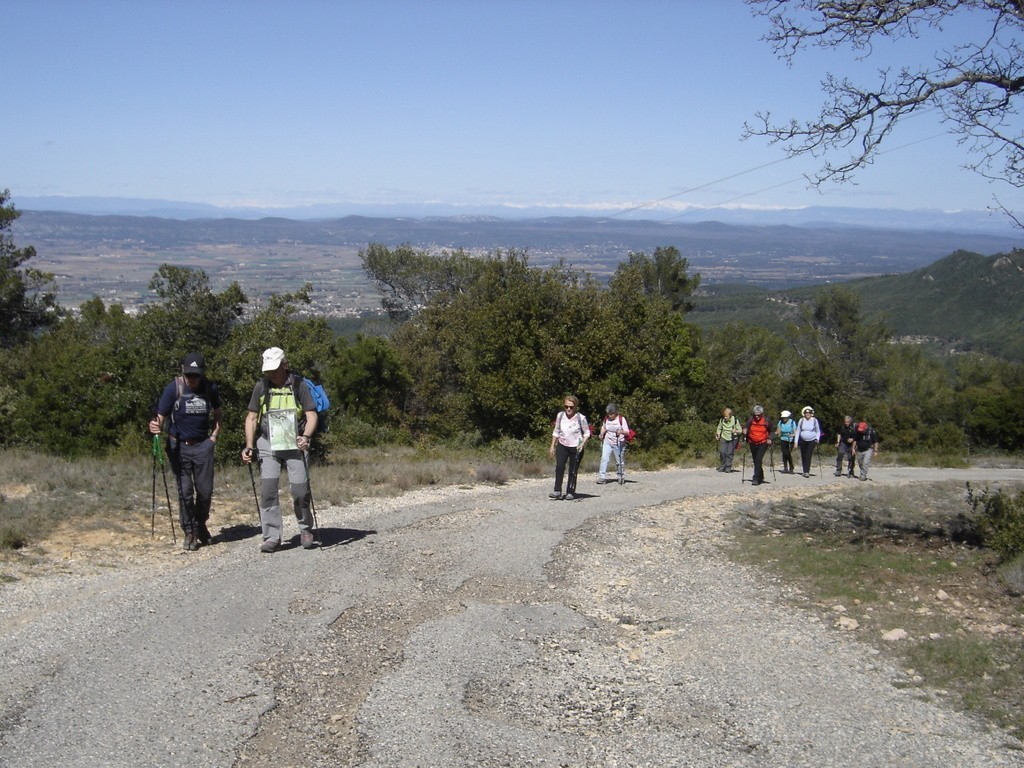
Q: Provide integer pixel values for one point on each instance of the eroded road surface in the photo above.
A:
(485, 626)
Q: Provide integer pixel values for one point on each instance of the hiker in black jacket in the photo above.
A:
(845, 448)
(190, 409)
(866, 442)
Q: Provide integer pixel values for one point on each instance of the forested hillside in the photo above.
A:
(966, 300)
(480, 350)
(963, 302)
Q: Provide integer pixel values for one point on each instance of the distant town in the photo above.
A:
(115, 257)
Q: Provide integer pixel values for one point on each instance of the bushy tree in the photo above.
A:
(664, 274)
(496, 357)
(989, 402)
(189, 316)
(369, 381)
(833, 338)
(746, 365)
(409, 279)
(28, 299)
(85, 386)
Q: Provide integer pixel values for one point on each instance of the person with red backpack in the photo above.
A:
(614, 433)
(567, 441)
(758, 433)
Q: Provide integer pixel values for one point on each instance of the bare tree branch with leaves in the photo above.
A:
(974, 86)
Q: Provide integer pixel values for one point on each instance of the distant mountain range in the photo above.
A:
(889, 218)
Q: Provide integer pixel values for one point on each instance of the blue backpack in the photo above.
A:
(323, 402)
(320, 398)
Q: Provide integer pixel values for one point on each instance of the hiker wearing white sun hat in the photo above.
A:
(808, 436)
(786, 431)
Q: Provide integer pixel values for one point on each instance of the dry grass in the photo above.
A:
(41, 494)
(903, 558)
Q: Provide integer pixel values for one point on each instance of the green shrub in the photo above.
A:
(691, 438)
(524, 451)
(13, 536)
(1000, 520)
(355, 433)
(946, 439)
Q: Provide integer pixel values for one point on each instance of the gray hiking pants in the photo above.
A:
(193, 472)
(271, 464)
(864, 462)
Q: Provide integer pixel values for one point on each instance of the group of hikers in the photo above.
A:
(282, 418)
(856, 441)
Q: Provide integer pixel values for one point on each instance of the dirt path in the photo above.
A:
(475, 626)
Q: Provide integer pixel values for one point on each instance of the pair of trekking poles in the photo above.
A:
(771, 463)
(160, 458)
(309, 484)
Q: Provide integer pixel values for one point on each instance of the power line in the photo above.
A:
(757, 191)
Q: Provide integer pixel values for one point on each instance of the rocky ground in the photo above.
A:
(480, 626)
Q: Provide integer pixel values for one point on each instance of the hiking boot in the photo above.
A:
(555, 495)
(601, 480)
(191, 543)
(204, 535)
(850, 474)
(568, 497)
(806, 474)
(270, 545)
(839, 474)
(306, 540)
(622, 481)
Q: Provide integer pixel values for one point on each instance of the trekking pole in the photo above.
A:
(771, 460)
(152, 519)
(252, 479)
(312, 506)
(158, 455)
(743, 474)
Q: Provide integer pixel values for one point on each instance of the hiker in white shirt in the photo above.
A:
(614, 429)
(567, 441)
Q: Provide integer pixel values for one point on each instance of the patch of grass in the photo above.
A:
(40, 492)
(900, 567)
(492, 473)
(12, 536)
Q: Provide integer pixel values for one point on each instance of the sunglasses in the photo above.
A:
(569, 406)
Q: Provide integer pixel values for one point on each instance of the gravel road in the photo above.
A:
(483, 626)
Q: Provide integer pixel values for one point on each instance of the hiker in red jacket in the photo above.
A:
(758, 434)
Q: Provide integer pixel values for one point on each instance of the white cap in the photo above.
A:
(786, 414)
(272, 359)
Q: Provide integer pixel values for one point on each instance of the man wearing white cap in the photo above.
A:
(281, 420)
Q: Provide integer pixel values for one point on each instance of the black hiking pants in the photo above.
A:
(757, 452)
(566, 457)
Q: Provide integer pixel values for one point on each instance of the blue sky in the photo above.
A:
(569, 104)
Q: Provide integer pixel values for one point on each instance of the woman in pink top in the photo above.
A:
(567, 441)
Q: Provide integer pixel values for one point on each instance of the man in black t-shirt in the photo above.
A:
(190, 404)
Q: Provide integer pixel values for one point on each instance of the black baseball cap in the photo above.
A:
(193, 363)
